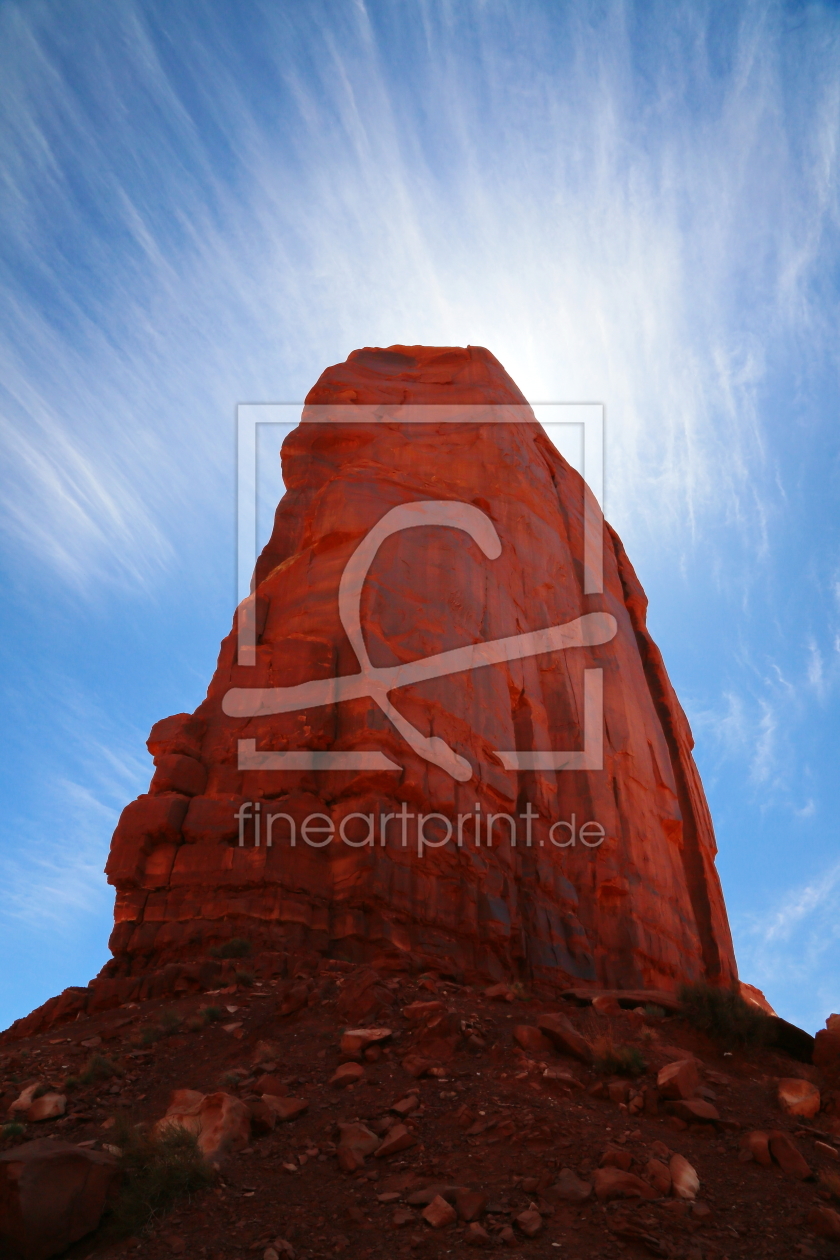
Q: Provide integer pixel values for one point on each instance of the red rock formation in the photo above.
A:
(643, 910)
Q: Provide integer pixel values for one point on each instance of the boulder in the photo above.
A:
(347, 1074)
(788, 1155)
(221, 1123)
(659, 1176)
(439, 1213)
(757, 1143)
(46, 1107)
(399, 1138)
(827, 1046)
(531, 1040)
(678, 1080)
(798, 1098)
(52, 1193)
(587, 919)
(824, 1222)
(563, 1035)
(286, 1108)
(615, 1183)
(684, 1180)
(358, 1137)
(530, 1222)
(570, 1188)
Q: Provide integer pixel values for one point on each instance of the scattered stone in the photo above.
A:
(684, 1180)
(356, 1040)
(470, 1204)
(500, 993)
(402, 1217)
(788, 1155)
(756, 1145)
(530, 1222)
(798, 1098)
(556, 1077)
(419, 1011)
(24, 1100)
(47, 1107)
(439, 1213)
(399, 1138)
(286, 1108)
(694, 1110)
(679, 1079)
(51, 1194)
(476, 1236)
(824, 1222)
(347, 1074)
(606, 1004)
(269, 1084)
(615, 1183)
(616, 1157)
(570, 1187)
(404, 1106)
(418, 1065)
(825, 1149)
(357, 1137)
(659, 1176)
(531, 1040)
(563, 1035)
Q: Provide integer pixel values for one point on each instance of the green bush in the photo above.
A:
(157, 1171)
(211, 1014)
(620, 1061)
(99, 1068)
(723, 1014)
(12, 1130)
(245, 977)
(236, 948)
(654, 1011)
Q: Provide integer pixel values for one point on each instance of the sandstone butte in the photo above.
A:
(643, 910)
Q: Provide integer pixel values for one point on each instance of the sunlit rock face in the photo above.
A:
(602, 875)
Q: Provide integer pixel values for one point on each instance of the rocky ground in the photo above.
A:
(467, 1095)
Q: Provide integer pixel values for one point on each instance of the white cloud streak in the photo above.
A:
(591, 204)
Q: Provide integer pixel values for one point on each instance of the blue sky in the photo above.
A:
(204, 204)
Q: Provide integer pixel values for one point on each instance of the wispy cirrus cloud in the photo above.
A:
(789, 950)
(590, 196)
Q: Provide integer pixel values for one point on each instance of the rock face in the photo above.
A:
(496, 552)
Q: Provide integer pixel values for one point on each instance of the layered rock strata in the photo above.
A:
(634, 902)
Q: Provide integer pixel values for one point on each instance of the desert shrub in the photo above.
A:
(157, 1171)
(211, 1014)
(234, 1077)
(654, 1011)
(723, 1014)
(236, 948)
(98, 1068)
(245, 977)
(150, 1034)
(72, 1082)
(170, 1023)
(40, 1090)
(613, 1060)
(12, 1130)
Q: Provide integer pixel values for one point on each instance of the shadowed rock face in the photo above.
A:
(643, 909)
